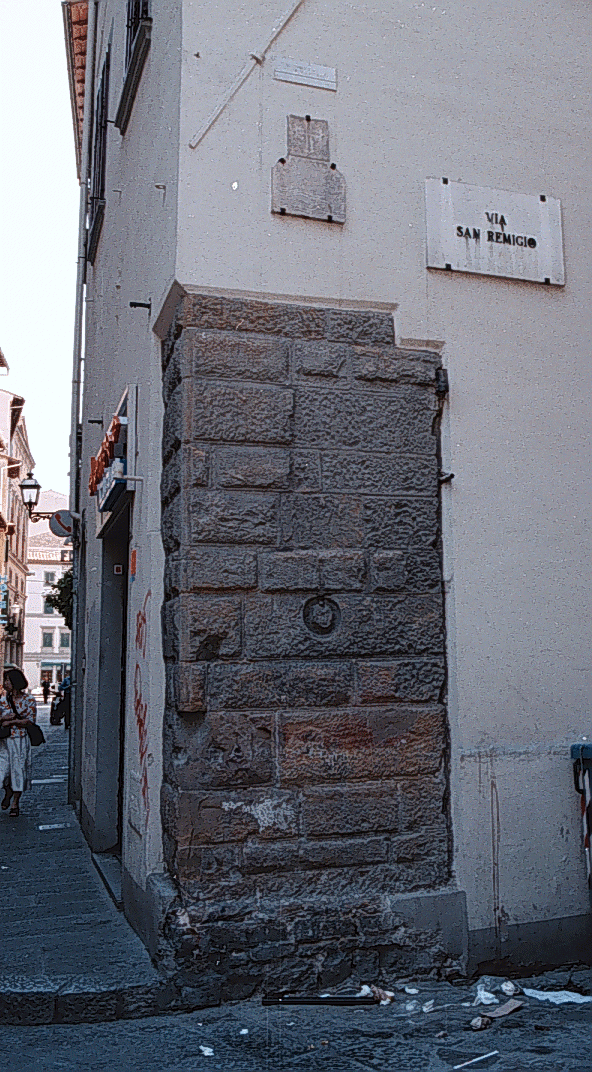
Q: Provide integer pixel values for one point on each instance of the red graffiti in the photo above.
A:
(142, 625)
(141, 713)
(140, 705)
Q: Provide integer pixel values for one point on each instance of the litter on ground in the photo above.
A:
(484, 997)
(481, 1022)
(484, 1056)
(557, 997)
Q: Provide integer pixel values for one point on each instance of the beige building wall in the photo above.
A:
(491, 96)
(486, 94)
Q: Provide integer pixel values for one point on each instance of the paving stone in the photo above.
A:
(66, 954)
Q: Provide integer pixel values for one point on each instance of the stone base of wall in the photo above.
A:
(531, 947)
(234, 949)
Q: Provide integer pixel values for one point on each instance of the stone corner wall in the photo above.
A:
(305, 748)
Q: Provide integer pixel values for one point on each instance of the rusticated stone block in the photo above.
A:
(356, 419)
(320, 361)
(288, 571)
(216, 567)
(345, 746)
(170, 481)
(226, 752)
(171, 525)
(194, 466)
(253, 467)
(306, 472)
(178, 419)
(395, 522)
(393, 570)
(186, 468)
(206, 818)
(419, 680)
(369, 626)
(172, 371)
(200, 863)
(351, 326)
(232, 517)
(189, 687)
(324, 924)
(337, 521)
(292, 571)
(232, 314)
(233, 414)
(349, 810)
(379, 474)
(247, 357)
(202, 628)
(389, 366)
(342, 570)
(273, 685)
(261, 856)
(343, 852)
(422, 805)
(418, 848)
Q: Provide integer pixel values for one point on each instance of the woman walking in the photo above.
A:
(16, 710)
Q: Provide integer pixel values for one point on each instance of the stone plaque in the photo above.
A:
(493, 232)
(304, 183)
(305, 74)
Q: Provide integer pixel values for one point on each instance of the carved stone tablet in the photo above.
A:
(305, 183)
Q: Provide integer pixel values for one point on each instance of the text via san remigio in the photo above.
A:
(496, 233)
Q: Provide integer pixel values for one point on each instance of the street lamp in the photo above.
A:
(30, 489)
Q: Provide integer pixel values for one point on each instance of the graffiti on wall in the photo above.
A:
(140, 704)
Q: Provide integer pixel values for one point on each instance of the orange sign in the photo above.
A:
(105, 455)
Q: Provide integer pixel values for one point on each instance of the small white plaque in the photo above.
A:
(305, 74)
(493, 232)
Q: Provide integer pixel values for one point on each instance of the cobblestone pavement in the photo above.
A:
(63, 942)
(62, 936)
(249, 1038)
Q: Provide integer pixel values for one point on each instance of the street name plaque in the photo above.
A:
(493, 232)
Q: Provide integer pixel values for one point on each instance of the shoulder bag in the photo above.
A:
(35, 733)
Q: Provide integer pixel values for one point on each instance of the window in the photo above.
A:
(64, 640)
(49, 578)
(47, 607)
(99, 163)
(137, 11)
(137, 44)
(47, 640)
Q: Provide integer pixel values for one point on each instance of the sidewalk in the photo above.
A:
(66, 955)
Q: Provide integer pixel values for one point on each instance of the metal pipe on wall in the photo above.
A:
(77, 385)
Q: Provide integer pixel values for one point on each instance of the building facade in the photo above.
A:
(331, 639)
(17, 462)
(47, 655)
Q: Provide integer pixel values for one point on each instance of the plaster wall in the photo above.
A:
(492, 95)
(135, 256)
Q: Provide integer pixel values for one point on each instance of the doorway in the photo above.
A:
(108, 822)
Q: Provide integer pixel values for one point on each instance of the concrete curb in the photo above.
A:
(36, 1007)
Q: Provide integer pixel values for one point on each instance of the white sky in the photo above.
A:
(38, 227)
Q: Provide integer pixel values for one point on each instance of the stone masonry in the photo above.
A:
(305, 745)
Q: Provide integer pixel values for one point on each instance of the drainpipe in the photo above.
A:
(77, 374)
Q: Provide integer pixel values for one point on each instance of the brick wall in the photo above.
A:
(305, 731)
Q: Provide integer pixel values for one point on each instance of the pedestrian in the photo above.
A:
(45, 687)
(17, 708)
(65, 692)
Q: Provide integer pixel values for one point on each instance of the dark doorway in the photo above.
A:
(111, 693)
